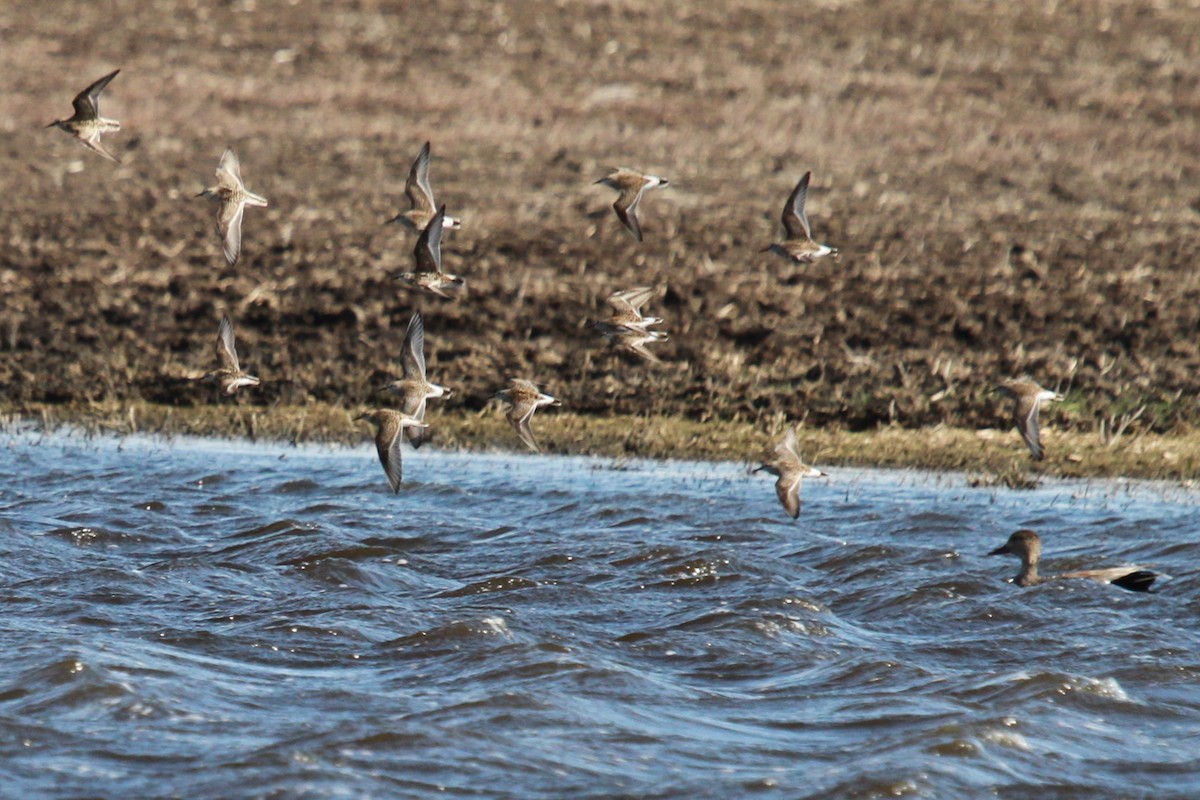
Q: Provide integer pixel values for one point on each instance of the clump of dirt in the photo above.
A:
(1012, 188)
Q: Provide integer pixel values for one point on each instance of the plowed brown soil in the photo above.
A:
(1014, 187)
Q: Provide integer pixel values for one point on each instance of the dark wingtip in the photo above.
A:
(1139, 581)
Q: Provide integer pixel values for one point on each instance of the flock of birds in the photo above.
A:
(627, 326)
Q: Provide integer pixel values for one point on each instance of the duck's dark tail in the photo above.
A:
(1139, 581)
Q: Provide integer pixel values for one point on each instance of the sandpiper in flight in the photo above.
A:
(388, 425)
(790, 470)
(427, 260)
(627, 307)
(86, 124)
(414, 387)
(1027, 545)
(631, 184)
(799, 246)
(523, 399)
(234, 198)
(1027, 397)
(230, 376)
(420, 197)
(627, 327)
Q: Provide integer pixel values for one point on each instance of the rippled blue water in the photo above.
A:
(209, 619)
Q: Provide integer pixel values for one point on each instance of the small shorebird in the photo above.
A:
(1027, 545)
(631, 184)
(427, 260)
(631, 338)
(1027, 399)
(234, 198)
(388, 425)
(799, 246)
(414, 388)
(523, 399)
(790, 471)
(86, 124)
(230, 376)
(627, 307)
(627, 327)
(420, 197)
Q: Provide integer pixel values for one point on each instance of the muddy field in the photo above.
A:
(1014, 187)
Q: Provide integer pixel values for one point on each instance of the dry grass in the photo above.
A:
(988, 457)
(1013, 187)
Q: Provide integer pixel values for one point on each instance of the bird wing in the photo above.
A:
(229, 225)
(1026, 413)
(427, 254)
(229, 171)
(93, 142)
(788, 451)
(635, 297)
(627, 305)
(412, 355)
(414, 406)
(417, 187)
(226, 349)
(795, 221)
(87, 102)
(387, 444)
(787, 488)
(520, 415)
(637, 346)
(626, 208)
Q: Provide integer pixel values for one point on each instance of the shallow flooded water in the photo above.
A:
(213, 619)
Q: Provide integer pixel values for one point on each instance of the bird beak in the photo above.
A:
(1002, 550)
(52, 124)
(361, 416)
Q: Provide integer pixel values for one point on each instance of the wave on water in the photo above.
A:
(195, 619)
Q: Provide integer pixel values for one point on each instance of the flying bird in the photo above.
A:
(234, 198)
(790, 471)
(1027, 397)
(632, 185)
(229, 376)
(524, 398)
(627, 326)
(799, 246)
(86, 124)
(414, 387)
(427, 272)
(420, 197)
(388, 425)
